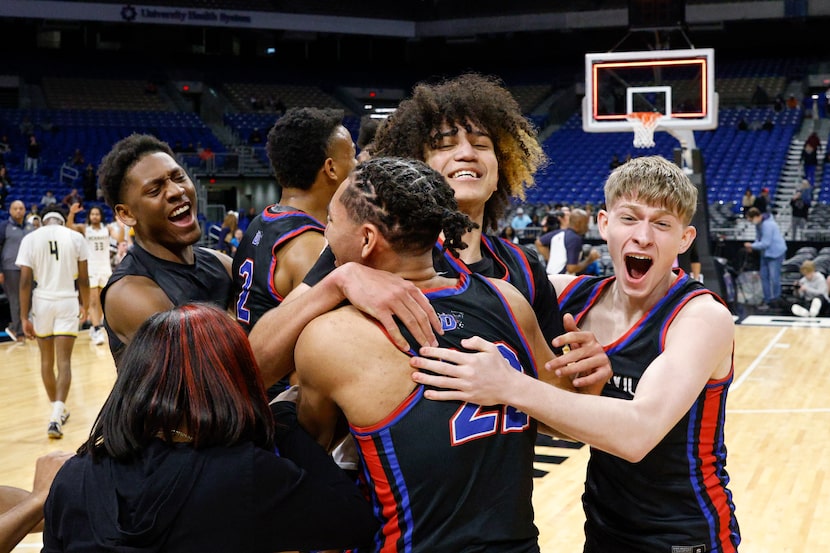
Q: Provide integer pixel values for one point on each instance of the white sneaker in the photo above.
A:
(11, 334)
(799, 311)
(815, 307)
(97, 336)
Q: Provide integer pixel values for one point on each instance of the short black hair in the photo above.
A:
(123, 155)
(298, 144)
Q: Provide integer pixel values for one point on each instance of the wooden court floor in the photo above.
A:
(778, 437)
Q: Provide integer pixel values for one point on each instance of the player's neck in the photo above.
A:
(306, 201)
(472, 253)
(183, 254)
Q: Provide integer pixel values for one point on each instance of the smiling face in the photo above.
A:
(159, 202)
(467, 159)
(342, 232)
(643, 241)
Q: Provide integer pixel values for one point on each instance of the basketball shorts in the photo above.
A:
(55, 317)
(98, 277)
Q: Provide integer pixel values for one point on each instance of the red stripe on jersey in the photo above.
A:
(382, 489)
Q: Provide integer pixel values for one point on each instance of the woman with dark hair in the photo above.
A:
(185, 455)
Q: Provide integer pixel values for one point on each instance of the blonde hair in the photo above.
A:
(655, 181)
(807, 267)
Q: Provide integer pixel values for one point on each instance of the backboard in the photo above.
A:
(677, 84)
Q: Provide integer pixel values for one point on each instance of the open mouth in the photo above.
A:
(181, 214)
(637, 265)
(465, 174)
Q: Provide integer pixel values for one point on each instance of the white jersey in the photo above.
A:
(99, 249)
(53, 252)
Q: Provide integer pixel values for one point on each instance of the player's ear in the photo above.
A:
(689, 234)
(602, 223)
(370, 236)
(124, 214)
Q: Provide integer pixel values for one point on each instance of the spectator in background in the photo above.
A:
(768, 125)
(32, 155)
(229, 226)
(4, 192)
(762, 200)
(48, 199)
(772, 248)
(77, 159)
(90, 182)
(800, 205)
(615, 162)
(12, 231)
(32, 222)
(792, 102)
(747, 200)
(563, 248)
(811, 289)
(809, 160)
(74, 197)
(778, 103)
(520, 220)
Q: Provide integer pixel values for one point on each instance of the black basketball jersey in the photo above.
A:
(501, 259)
(676, 498)
(450, 476)
(206, 280)
(521, 267)
(255, 261)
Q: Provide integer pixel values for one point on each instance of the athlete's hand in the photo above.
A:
(75, 208)
(584, 360)
(383, 295)
(482, 377)
(28, 329)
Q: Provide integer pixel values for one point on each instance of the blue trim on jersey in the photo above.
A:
(700, 493)
(268, 216)
(449, 291)
(519, 254)
(404, 506)
(516, 327)
(392, 418)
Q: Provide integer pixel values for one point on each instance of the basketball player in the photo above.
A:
(656, 479)
(388, 215)
(99, 236)
(55, 258)
(149, 191)
(472, 131)
(311, 153)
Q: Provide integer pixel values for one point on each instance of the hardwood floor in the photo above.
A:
(778, 435)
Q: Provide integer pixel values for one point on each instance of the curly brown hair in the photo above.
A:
(484, 102)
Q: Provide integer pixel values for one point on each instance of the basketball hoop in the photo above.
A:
(644, 123)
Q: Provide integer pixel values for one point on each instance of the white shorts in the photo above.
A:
(55, 317)
(98, 279)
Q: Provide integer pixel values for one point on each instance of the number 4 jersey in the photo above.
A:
(452, 476)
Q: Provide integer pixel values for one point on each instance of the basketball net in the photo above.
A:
(644, 123)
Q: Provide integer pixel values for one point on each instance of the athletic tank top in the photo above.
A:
(501, 259)
(676, 498)
(99, 249)
(521, 267)
(256, 259)
(206, 280)
(450, 476)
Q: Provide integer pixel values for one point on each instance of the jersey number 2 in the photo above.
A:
(246, 271)
(472, 421)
